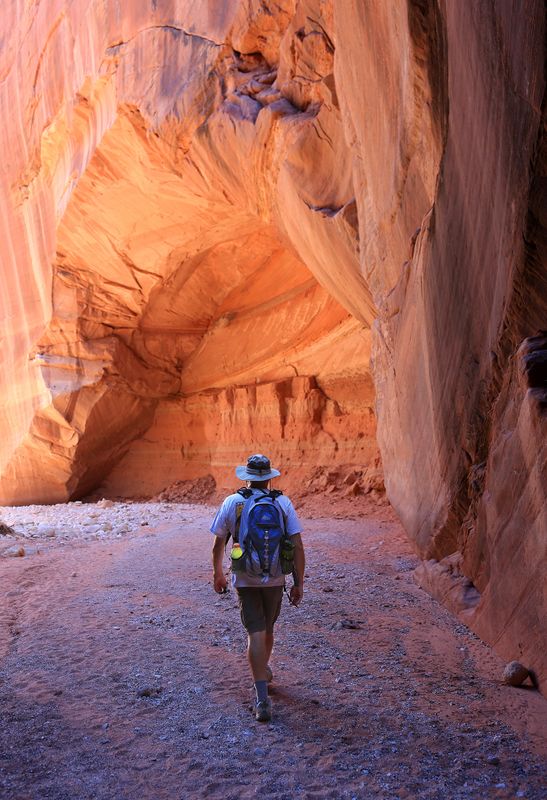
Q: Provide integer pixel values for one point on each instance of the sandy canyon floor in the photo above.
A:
(123, 677)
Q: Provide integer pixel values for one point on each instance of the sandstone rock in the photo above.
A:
(212, 214)
(5, 530)
(347, 624)
(178, 320)
(319, 484)
(16, 551)
(200, 490)
(378, 497)
(373, 479)
(45, 529)
(212, 433)
(445, 580)
(515, 673)
(353, 490)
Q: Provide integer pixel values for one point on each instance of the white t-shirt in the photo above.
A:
(225, 522)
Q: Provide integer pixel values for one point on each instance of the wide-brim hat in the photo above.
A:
(258, 468)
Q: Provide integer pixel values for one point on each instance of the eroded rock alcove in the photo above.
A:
(213, 216)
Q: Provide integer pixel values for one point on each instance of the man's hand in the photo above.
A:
(219, 578)
(219, 582)
(297, 591)
(296, 594)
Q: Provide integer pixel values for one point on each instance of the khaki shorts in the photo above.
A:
(259, 607)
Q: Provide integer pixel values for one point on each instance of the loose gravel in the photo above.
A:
(122, 675)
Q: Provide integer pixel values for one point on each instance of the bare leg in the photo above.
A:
(258, 653)
(269, 644)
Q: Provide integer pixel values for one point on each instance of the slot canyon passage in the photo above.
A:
(310, 228)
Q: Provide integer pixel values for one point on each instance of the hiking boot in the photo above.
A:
(263, 711)
(269, 674)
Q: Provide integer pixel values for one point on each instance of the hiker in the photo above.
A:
(267, 545)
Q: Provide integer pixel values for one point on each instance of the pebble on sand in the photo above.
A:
(151, 691)
(17, 551)
(515, 673)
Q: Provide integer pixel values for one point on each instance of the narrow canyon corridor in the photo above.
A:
(122, 674)
(314, 230)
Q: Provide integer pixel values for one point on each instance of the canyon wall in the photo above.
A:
(301, 423)
(239, 225)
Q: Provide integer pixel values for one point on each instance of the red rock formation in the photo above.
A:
(297, 422)
(175, 271)
(205, 208)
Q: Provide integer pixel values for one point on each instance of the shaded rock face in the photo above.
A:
(212, 215)
(296, 421)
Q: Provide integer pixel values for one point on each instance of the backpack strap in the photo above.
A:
(239, 511)
(245, 493)
(274, 494)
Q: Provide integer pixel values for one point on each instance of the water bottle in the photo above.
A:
(237, 557)
(286, 555)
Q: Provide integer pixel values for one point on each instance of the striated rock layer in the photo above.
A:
(298, 422)
(211, 214)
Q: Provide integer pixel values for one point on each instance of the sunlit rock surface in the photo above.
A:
(211, 213)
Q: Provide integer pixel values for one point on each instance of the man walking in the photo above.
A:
(260, 581)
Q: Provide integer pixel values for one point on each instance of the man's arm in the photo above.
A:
(297, 591)
(219, 578)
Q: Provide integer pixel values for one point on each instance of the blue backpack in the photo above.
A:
(261, 533)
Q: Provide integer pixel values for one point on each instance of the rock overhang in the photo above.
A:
(174, 271)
